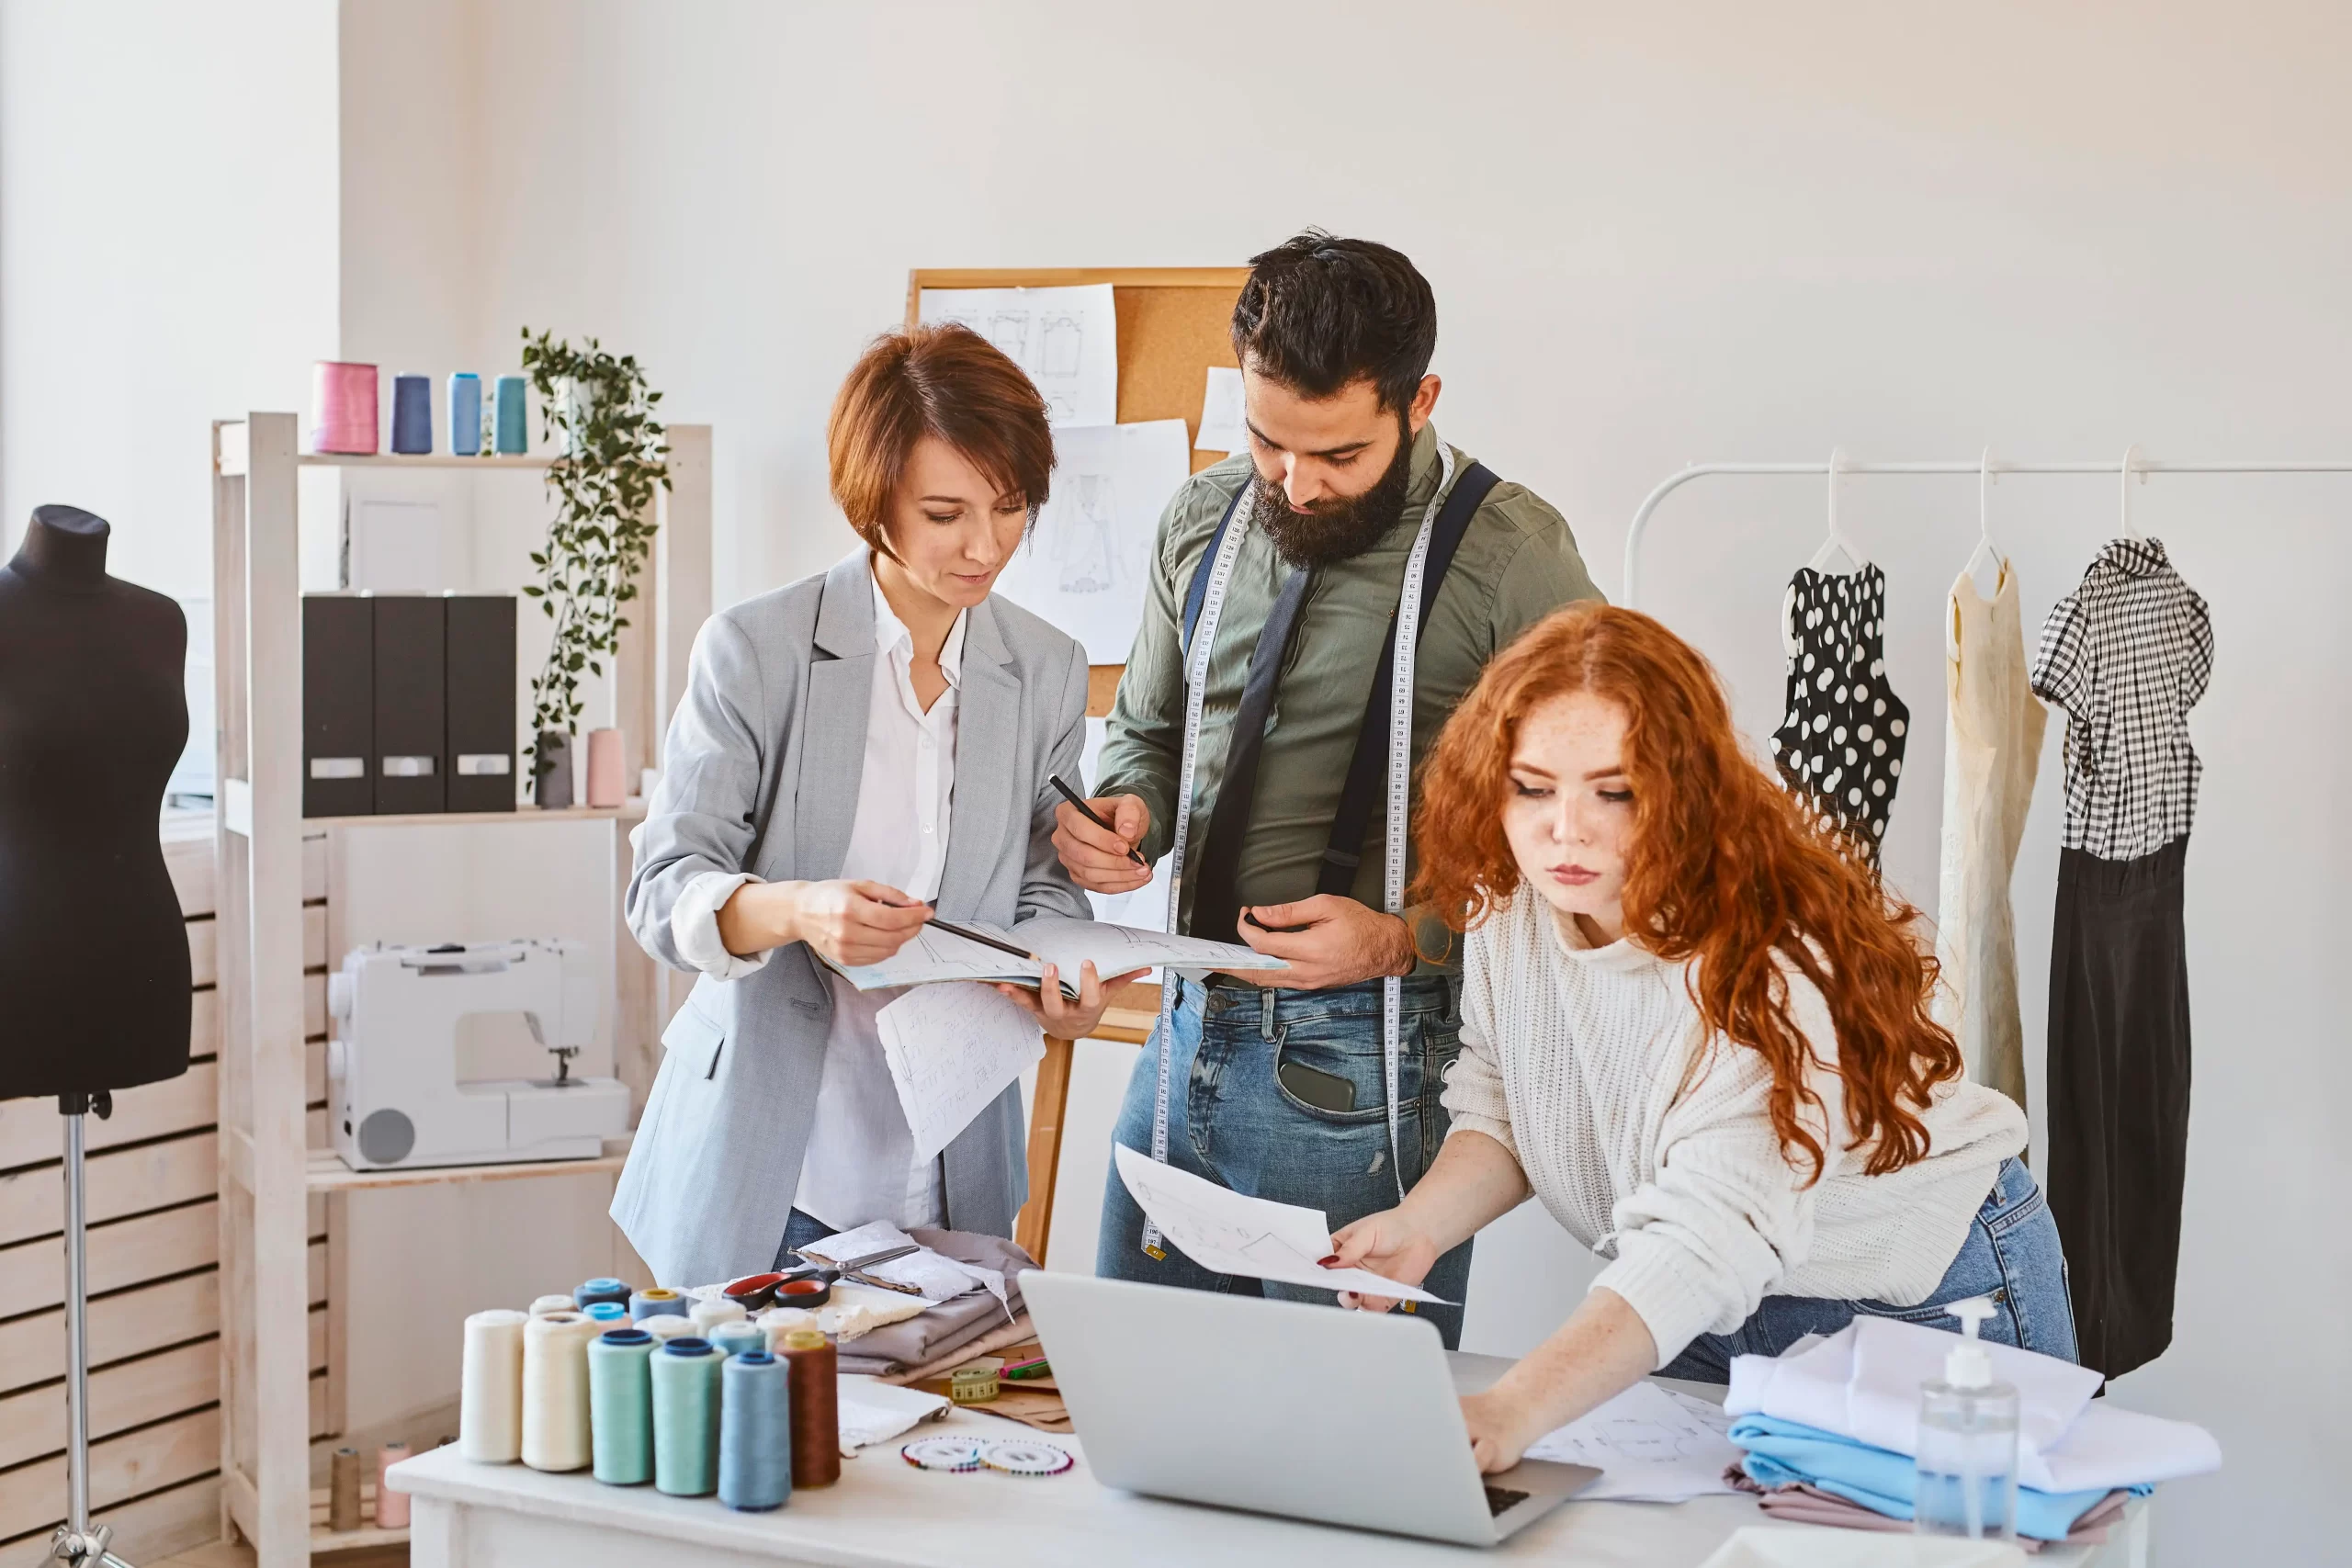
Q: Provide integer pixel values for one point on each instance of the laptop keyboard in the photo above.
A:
(1500, 1499)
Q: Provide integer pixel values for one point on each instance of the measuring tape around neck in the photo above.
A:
(1399, 776)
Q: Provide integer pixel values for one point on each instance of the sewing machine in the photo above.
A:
(393, 1092)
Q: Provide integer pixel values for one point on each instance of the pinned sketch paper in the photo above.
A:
(1066, 338)
(1085, 565)
(952, 1050)
(1223, 427)
(1229, 1233)
(1649, 1445)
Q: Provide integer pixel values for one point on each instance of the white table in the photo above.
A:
(886, 1513)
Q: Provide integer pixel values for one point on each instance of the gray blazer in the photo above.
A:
(760, 774)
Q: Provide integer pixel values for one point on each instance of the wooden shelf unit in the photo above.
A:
(268, 1171)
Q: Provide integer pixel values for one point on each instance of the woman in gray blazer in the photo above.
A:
(851, 753)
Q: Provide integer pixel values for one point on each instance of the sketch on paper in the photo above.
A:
(1650, 1444)
(950, 1051)
(1147, 906)
(1066, 339)
(1086, 564)
(1223, 425)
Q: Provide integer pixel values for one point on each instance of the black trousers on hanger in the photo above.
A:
(2118, 1097)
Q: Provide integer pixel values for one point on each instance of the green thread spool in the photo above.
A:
(620, 1406)
(685, 1418)
(734, 1339)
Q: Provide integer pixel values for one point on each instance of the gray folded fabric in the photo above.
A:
(947, 1328)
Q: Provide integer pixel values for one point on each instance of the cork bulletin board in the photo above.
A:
(1173, 325)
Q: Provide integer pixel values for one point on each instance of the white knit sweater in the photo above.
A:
(1571, 1059)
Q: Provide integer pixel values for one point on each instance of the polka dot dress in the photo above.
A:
(1841, 746)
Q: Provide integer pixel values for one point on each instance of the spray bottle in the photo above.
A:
(1968, 1442)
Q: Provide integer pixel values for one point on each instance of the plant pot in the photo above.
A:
(577, 400)
(551, 771)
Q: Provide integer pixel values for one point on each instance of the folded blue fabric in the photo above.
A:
(1785, 1453)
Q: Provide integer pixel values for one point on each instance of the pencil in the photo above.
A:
(1088, 812)
(969, 936)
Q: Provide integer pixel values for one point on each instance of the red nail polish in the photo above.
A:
(1330, 1262)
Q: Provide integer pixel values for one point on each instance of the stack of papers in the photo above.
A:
(1650, 1444)
(933, 955)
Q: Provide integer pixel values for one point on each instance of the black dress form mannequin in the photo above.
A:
(94, 966)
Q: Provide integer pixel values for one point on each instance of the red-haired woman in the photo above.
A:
(1700, 1034)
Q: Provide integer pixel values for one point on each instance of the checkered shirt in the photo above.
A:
(2127, 655)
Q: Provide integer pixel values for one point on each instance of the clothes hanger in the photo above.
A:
(2130, 459)
(1988, 553)
(1836, 541)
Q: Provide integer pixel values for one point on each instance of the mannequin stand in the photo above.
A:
(77, 1543)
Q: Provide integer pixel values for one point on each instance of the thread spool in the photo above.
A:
(514, 420)
(555, 1391)
(755, 1432)
(343, 1490)
(816, 1408)
(392, 1506)
(685, 1418)
(603, 1288)
(606, 1314)
(738, 1339)
(412, 415)
(465, 413)
(542, 1305)
(709, 1314)
(670, 1326)
(655, 1301)
(343, 403)
(777, 1322)
(620, 1405)
(490, 1399)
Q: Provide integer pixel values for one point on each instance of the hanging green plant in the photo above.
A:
(613, 454)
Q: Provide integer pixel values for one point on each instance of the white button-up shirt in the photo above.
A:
(860, 1164)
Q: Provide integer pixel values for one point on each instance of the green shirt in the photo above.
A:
(1517, 563)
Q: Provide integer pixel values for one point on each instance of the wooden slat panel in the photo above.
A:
(148, 1530)
(314, 936)
(314, 1006)
(204, 1024)
(132, 1323)
(32, 1274)
(31, 1131)
(126, 1181)
(314, 865)
(203, 952)
(314, 1072)
(144, 1461)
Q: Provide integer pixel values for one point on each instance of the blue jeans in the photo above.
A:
(2011, 1253)
(1231, 1120)
(799, 1230)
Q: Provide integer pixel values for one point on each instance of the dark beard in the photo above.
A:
(1335, 530)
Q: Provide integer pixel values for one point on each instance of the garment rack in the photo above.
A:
(2140, 465)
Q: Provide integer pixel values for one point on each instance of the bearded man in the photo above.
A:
(1292, 562)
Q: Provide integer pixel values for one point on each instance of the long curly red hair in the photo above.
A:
(1724, 868)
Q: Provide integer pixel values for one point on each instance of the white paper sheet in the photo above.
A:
(1086, 564)
(1223, 426)
(1066, 338)
(1146, 908)
(1223, 1231)
(1649, 1448)
(952, 1050)
(933, 955)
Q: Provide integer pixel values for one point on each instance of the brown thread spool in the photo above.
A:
(343, 1490)
(810, 1360)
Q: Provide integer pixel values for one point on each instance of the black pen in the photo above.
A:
(1088, 812)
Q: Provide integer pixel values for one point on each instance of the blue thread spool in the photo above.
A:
(606, 1314)
(755, 1434)
(620, 1405)
(465, 414)
(412, 415)
(659, 1301)
(685, 1418)
(514, 421)
(588, 1292)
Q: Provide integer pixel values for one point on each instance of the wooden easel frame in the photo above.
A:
(1171, 329)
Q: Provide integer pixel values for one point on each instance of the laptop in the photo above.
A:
(1279, 1407)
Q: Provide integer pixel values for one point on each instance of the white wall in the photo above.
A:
(167, 247)
(1656, 234)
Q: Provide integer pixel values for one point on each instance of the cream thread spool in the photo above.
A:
(670, 1326)
(709, 1314)
(490, 1405)
(543, 1305)
(777, 1322)
(555, 1391)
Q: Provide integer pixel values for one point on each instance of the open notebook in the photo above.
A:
(932, 955)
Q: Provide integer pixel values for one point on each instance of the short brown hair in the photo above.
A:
(947, 381)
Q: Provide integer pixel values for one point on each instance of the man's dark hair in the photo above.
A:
(1320, 312)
